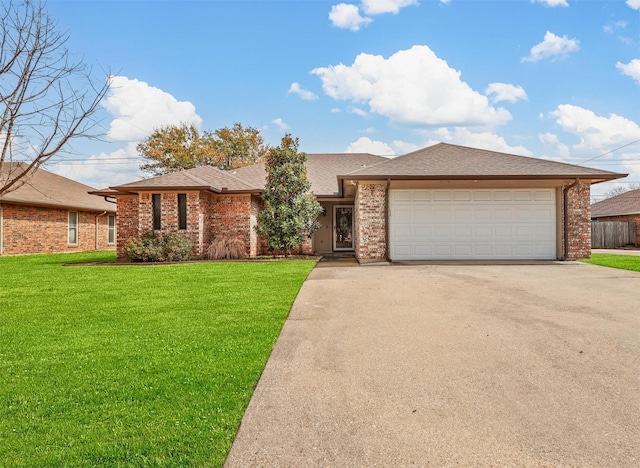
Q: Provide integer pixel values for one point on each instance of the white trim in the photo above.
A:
(77, 234)
(109, 217)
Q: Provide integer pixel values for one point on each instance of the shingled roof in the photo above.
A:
(446, 161)
(199, 178)
(322, 170)
(45, 188)
(438, 162)
(627, 203)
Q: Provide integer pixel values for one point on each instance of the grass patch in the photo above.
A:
(623, 262)
(133, 366)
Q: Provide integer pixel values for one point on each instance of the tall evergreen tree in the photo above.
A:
(290, 211)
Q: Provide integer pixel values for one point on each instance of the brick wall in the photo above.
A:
(127, 221)
(31, 229)
(635, 218)
(230, 216)
(578, 221)
(371, 221)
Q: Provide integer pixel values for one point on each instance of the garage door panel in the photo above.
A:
(468, 224)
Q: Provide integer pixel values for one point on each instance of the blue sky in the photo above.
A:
(556, 79)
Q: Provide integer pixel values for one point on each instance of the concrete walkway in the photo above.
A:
(436, 365)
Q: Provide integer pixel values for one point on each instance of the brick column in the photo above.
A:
(371, 221)
(578, 221)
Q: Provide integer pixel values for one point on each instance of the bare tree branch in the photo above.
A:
(46, 98)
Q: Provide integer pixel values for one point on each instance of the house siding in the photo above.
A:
(578, 221)
(127, 221)
(209, 216)
(32, 230)
(371, 221)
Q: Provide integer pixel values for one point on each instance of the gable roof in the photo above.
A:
(44, 188)
(624, 204)
(327, 172)
(322, 170)
(199, 178)
(446, 161)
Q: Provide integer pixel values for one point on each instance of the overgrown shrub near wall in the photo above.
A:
(156, 247)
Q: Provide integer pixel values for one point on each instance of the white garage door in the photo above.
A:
(472, 224)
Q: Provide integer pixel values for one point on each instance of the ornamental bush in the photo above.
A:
(156, 247)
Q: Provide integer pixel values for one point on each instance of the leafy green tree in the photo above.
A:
(176, 147)
(239, 146)
(290, 211)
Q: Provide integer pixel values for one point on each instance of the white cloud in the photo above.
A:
(505, 92)
(412, 86)
(631, 69)
(357, 111)
(346, 16)
(552, 3)
(594, 131)
(103, 170)
(304, 94)
(484, 140)
(553, 47)
(552, 139)
(368, 130)
(139, 108)
(335, 110)
(281, 124)
(367, 145)
(612, 27)
(548, 138)
(377, 7)
(403, 147)
(635, 4)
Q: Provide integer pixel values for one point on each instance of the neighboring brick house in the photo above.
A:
(444, 202)
(623, 207)
(52, 214)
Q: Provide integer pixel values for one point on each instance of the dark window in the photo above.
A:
(157, 210)
(182, 211)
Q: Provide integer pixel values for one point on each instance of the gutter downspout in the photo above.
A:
(388, 220)
(565, 217)
(97, 226)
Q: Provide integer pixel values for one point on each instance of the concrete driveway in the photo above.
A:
(452, 365)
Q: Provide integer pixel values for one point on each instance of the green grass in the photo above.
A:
(133, 365)
(624, 262)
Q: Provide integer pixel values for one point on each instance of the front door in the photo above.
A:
(343, 227)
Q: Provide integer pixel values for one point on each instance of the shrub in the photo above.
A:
(155, 247)
(227, 248)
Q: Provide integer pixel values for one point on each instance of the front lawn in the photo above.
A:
(624, 262)
(133, 365)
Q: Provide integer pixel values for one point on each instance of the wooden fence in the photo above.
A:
(612, 234)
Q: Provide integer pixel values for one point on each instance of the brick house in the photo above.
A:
(444, 202)
(623, 207)
(53, 214)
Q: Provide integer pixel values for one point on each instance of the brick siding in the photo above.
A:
(208, 216)
(578, 221)
(31, 230)
(370, 221)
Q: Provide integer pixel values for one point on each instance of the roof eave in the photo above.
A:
(594, 178)
(624, 213)
(63, 206)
